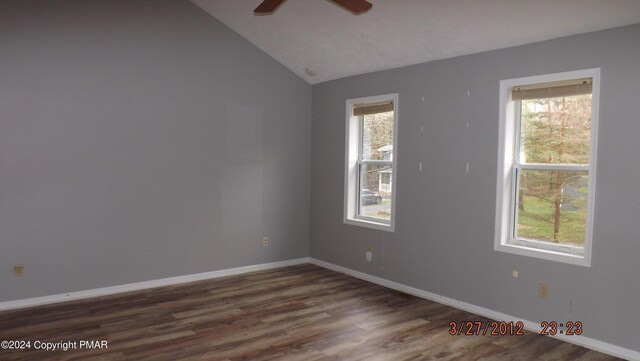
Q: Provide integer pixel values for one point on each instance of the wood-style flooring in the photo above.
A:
(295, 313)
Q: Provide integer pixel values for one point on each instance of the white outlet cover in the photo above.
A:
(369, 256)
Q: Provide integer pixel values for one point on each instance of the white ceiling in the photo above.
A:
(333, 43)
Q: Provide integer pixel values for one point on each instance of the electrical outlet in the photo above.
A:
(265, 241)
(543, 290)
(18, 269)
(515, 274)
(368, 256)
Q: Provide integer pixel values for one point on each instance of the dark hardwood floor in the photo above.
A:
(295, 313)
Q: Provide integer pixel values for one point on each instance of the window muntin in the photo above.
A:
(370, 168)
(548, 145)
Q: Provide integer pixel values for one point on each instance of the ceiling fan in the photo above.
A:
(267, 7)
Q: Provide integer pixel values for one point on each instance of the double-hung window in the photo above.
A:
(546, 169)
(371, 152)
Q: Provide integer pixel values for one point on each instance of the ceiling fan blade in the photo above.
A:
(355, 6)
(268, 6)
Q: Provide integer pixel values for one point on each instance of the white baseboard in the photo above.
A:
(96, 292)
(587, 342)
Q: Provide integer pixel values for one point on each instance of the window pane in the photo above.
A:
(552, 206)
(556, 130)
(376, 182)
(377, 136)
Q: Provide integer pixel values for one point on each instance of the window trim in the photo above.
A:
(353, 162)
(509, 135)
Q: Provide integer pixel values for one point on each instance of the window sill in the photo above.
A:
(574, 259)
(369, 224)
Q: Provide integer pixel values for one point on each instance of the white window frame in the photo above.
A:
(506, 189)
(353, 161)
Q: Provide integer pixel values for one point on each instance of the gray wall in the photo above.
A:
(142, 140)
(445, 220)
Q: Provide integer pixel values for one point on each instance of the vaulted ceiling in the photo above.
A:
(320, 41)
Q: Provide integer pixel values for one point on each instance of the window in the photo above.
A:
(546, 169)
(371, 150)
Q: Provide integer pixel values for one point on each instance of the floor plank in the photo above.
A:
(294, 313)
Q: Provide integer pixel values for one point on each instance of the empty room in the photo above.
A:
(319, 180)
